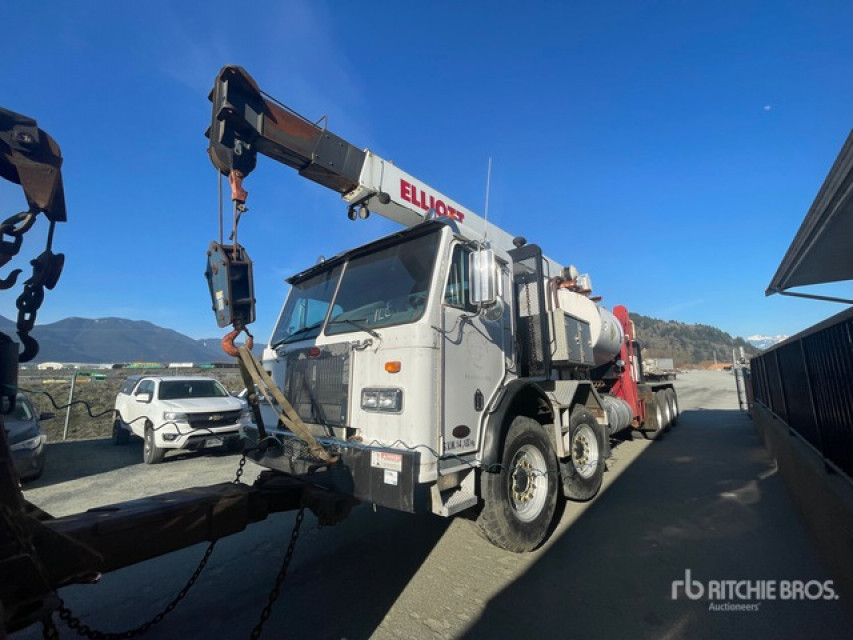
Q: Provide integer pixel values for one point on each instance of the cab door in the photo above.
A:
(474, 344)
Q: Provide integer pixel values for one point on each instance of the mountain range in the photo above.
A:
(115, 340)
(688, 344)
(118, 340)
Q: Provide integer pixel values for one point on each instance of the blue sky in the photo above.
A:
(669, 148)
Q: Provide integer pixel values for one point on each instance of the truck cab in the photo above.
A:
(368, 345)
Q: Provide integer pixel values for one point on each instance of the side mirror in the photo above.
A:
(143, 397)
(47, 415)
(484, 278)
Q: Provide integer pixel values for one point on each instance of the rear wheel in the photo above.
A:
(521, 498)
(672, 400)
(120, 434)
(662, 400)
(586, 460)
(653, 425)
(151, 453)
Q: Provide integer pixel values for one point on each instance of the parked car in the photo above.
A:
(178, 412)
(26, 439)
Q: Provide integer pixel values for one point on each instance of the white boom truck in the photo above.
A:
(447, 367)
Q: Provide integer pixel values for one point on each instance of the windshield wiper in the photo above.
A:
(297, 333)
(357, 325)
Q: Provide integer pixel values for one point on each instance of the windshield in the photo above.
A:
(179, 389)
(306, 307)
(22, 411)
(379, 289)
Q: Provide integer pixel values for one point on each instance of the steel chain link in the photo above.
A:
(82, 629)
(279, 579)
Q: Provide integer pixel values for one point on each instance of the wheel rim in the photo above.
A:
(585, 454)
(149, 442)
(528, 483)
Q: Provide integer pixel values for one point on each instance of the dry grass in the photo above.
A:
(98, 395)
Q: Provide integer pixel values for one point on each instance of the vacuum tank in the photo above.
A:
(606, 334)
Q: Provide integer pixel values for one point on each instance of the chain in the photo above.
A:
(240, 468)
(46, 270)
(279, 579)
(77, 625)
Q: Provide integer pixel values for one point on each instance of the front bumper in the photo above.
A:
(29, 462)
(185, 437)
(379, 475)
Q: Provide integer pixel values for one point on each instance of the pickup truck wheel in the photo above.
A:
(520, 499)
(653, 426)
(151, 453)
(586, 460)
(120, 434)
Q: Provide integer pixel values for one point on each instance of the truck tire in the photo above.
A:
(586, 456)
(672, 400)
(662, 400)
(120, 434)
(653, 426)
(521, 498)
(151, 453)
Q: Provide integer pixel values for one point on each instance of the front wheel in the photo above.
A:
(151, 453)
(520, 498)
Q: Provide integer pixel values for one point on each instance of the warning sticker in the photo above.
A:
(391, 477)
(385, 460)
(220, 300)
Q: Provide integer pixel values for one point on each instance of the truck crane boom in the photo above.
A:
(246, 122)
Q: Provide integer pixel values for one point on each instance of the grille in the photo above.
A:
(213, 419)
(318, 387)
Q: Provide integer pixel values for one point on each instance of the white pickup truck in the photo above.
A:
(178, 412)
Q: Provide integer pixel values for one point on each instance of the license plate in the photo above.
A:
(213, 442)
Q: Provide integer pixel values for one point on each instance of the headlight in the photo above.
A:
(174, 416)
(247, 416)
(31, 443)
(382, 399)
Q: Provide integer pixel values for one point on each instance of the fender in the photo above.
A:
(526, 397)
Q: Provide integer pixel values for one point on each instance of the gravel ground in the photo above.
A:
(705, 497)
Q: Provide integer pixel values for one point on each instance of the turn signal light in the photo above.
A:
(393, 366)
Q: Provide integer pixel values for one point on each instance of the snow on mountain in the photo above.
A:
(765, 342)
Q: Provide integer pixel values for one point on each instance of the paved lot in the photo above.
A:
(705, 498)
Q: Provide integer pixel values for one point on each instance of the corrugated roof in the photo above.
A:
(822, 250)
